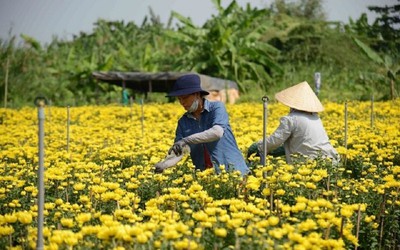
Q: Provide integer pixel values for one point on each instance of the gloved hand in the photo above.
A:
(177, 147)
(159, 167)
(253, 149)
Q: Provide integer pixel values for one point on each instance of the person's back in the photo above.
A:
(301, 131)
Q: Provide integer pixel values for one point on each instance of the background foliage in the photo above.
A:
(264, 50)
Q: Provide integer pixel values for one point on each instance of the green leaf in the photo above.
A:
(183, 19)
(108, 63)
(31, 41)
(369, 52)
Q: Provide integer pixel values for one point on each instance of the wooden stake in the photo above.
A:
(6, 83)
(345, 132)
(68, 123)
(358, 224)
(372, 111)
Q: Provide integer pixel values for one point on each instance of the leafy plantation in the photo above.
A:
(264, 50)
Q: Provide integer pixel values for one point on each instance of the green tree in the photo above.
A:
(390, 68)
(307, 9)
(228, 45)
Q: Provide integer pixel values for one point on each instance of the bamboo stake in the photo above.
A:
(327, 232)
(48, 118)
(271, 201)
(237, 242)
(142, 119)
(265, 119)
(6, 83)
(328, 183)
(131, 105)
(341, 227)
(381, 234)
(345, 132)
(68, 125)
(40, 103)
(381, 217)
(358, 224)
(345, 125)
(372, 111)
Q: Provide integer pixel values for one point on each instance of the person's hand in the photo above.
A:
(159, 167)
(177, 148)
(253, 149)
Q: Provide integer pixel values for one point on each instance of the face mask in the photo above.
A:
(194, 106)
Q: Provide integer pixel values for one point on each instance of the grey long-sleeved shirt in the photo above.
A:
(301, 133)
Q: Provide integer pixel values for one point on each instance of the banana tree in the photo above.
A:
(390, 67)
(229, 45)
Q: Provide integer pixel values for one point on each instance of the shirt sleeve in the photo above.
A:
(281, 134)
(209, 135)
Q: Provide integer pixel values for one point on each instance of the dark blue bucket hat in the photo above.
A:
(186, 85)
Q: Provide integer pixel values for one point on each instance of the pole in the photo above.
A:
(131, 105)
(6, 83)
(372, 111)
(40, 103)
(345, 125)
(142, 119)
(68, 124)
(317, 79)
(265, 100)
(345, 131)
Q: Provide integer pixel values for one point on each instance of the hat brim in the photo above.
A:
(300, 97)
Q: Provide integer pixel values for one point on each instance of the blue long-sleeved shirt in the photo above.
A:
(223, 151)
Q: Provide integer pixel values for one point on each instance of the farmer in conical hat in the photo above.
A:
(204, 130)
(300, 132)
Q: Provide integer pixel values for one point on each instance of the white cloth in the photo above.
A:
(171, 159)
(212, 134)
(301, 133)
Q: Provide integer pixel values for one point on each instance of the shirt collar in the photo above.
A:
(206, 105)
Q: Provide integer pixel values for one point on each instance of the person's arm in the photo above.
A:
(280, 135)
(209, 135)
(219, 118)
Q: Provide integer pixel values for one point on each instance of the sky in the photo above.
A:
(45, 19)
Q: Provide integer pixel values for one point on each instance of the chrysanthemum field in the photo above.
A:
(101, 192)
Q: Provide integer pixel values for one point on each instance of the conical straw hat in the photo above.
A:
(300, 97)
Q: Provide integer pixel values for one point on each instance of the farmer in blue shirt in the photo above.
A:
(204, 130)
